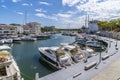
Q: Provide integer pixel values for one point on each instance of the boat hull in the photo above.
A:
(55, 67)
(49, 64)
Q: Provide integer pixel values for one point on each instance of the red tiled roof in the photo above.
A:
(33, 23)
(26, 27)
(7, 26)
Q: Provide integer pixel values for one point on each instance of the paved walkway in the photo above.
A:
(112, 72)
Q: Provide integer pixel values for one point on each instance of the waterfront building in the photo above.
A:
(19, 29)
(34, 27)
(26, 29)
(7, 30)
(92, 26)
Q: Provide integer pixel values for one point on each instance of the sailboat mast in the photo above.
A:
(85, 21)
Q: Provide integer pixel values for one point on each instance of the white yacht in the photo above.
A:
(75, 51)
(88, 51)
(8, 67)
(2, 41)
(94, 44)
(6, 41)
(27, 38)
(55, 56)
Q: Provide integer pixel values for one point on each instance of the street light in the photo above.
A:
(110, 36)
(116, 43)
(100, 57)
(109, 41)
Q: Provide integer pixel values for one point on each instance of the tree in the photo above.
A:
(113, 25)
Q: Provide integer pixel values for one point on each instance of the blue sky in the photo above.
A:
(60, 13)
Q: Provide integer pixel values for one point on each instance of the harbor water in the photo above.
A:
(28, 58)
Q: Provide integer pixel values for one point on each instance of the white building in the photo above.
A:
(7, 29)
(19, 29)
(92, 26)
(34, 27)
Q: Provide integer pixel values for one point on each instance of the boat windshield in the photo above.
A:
(5, 47)
(49, 51)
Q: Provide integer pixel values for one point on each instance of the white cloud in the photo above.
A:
(101, 9)
(15, 1)
(42, 15)
(40, 10)
(70, 2)
(26, 4)
(31, 4)
(64, 15)
(3, 6)
(97, 9)
(45, 3)
(20, 13)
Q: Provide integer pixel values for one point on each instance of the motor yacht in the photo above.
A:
(8, 67)
(55, 56)
(75, 51)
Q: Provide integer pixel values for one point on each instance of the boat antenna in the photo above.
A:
(69, 27)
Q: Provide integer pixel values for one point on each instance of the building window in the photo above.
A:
(12, 31)
(6, 31)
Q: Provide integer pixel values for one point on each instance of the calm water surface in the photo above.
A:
(27, 56)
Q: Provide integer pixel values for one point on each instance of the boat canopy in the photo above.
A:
(69, 47)
(54, 48)
(4, 53)
(59, 52)
(4, 47)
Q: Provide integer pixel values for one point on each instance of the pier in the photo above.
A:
(94, 65)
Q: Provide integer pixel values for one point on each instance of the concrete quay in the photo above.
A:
(108, 69)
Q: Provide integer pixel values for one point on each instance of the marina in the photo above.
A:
(32, 53)
(27, 52)
(69, 56)
(90, 68)
(59, 40)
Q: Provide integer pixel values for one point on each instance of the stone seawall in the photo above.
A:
(110, 34)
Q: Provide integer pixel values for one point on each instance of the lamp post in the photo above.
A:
(117, 25)
(86, 56)
(116, 43)
(110, 36)
(109, 41)
(100, 57)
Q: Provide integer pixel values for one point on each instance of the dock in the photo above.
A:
(77, 71)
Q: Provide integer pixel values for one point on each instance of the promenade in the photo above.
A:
(77, 72)
(112, 72)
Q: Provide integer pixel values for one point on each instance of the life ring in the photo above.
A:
(2, 59)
